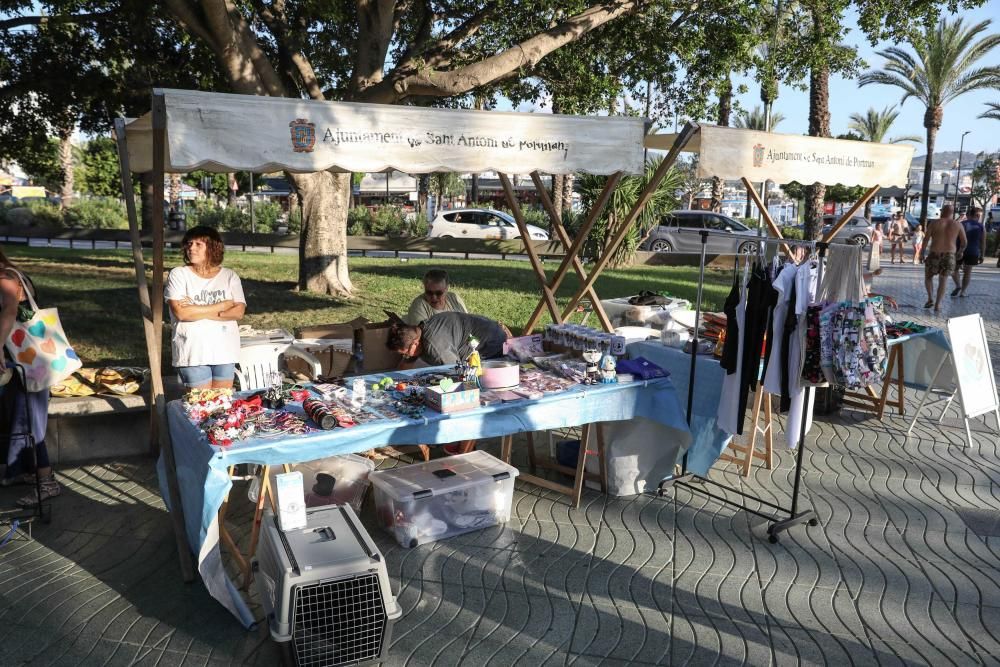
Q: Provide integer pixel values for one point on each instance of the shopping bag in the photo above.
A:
(40, 346)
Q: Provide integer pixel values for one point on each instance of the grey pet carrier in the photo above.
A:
(325, 589)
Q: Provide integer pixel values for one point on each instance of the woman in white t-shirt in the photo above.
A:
(206, 302)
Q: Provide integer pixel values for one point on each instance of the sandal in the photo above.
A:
(49, 488)
(929, 304)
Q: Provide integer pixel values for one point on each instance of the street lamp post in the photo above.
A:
(958, 178)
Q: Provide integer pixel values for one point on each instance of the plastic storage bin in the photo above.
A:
(325, 589)
(350, 473)
(430, 501)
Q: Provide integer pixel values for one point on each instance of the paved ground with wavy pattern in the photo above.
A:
(904, 567)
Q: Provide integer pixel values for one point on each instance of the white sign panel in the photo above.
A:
(223, 132)
(976, 383)
(732, 153)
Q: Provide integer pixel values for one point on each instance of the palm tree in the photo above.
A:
(874, 126)
(755, 119)
(993, 113)
(942, 68)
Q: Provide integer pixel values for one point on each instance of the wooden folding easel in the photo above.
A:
(747, 451)
(872, 401)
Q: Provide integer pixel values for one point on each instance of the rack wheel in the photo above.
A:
(814, 521)
(773, 539)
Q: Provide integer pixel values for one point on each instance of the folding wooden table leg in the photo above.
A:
(769, 431)
(581, 467)
(227, 538)
(752, 446)
(602, 458)
(263, 497)
(895, 363)
(532, 463)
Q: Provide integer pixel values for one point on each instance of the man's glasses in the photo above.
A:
(437, 293)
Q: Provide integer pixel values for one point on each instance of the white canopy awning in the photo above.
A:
(222, 132)
(731, 153)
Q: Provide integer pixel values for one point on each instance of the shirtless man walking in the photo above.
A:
(943, 236)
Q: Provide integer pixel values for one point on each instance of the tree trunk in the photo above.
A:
(725, 110)
(932, 121)
(475, 189)
(557, 191)
(323, 239)
(749, 208)
(231, 190)
(819, 126)
(66, 164)
(175, 191)
(567, 198)
(146, 201)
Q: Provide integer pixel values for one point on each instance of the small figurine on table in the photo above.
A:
(609, 374)
(474, 362)
(591, 356)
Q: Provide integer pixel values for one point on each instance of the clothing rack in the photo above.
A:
(696, 483)
(20, 518)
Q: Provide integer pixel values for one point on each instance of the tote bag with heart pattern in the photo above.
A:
(41, 347)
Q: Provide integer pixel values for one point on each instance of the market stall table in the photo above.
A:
(203, 469)
(708, 441)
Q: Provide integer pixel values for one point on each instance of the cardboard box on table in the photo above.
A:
(369, 337)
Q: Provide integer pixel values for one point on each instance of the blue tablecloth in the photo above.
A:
(707, 440)
(202, 469)
(922, 353)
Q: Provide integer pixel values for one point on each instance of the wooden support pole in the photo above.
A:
(563, 237)
(847, 216)
(595, 213)
(158, 425)
(647, 192)
(773, 228)
(529, 247)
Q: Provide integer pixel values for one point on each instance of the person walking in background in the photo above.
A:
(975, 244)
(943, 236)
(897, 238)
(918, 243)
(206, 302)
(875, 252)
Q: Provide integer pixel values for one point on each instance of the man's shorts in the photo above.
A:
(939, 264)
(970, 260)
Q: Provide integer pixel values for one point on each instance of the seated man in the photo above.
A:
(435, 299)
(444, 338)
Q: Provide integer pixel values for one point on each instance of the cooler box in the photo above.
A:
(325, 589)
(430, 501)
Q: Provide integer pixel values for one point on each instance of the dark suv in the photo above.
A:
(678, 232)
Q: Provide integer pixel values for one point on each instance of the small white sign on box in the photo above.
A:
(290, 490)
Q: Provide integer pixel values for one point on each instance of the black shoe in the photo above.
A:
(955, 291)
(929, 304)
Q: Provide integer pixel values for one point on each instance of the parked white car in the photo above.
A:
(479, 223)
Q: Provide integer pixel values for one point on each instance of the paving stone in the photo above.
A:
(706, 640)
(522, 628)
(626, 632)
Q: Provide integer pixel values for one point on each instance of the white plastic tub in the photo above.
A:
(438, 499)
(620, 309)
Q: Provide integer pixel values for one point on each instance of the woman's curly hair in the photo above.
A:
(216, 248)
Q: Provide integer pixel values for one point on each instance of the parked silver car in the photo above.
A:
(857, 230)
(678, 232)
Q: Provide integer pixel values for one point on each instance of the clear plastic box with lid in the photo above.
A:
(438, 499)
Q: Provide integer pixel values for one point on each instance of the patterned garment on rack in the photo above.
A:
(857, 334)
(812, 371)
(829, 317)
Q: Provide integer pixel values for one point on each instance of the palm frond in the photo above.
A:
(993, 113)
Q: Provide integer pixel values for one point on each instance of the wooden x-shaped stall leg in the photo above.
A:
(572, 256)
(570, 259)
(633, 215)
(529, 248)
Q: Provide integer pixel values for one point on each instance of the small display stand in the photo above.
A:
(973, 369)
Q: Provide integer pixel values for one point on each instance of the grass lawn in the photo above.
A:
(98, 303)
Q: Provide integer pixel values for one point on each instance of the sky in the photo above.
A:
(846, 98)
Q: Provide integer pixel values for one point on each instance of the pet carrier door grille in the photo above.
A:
(338, 622)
